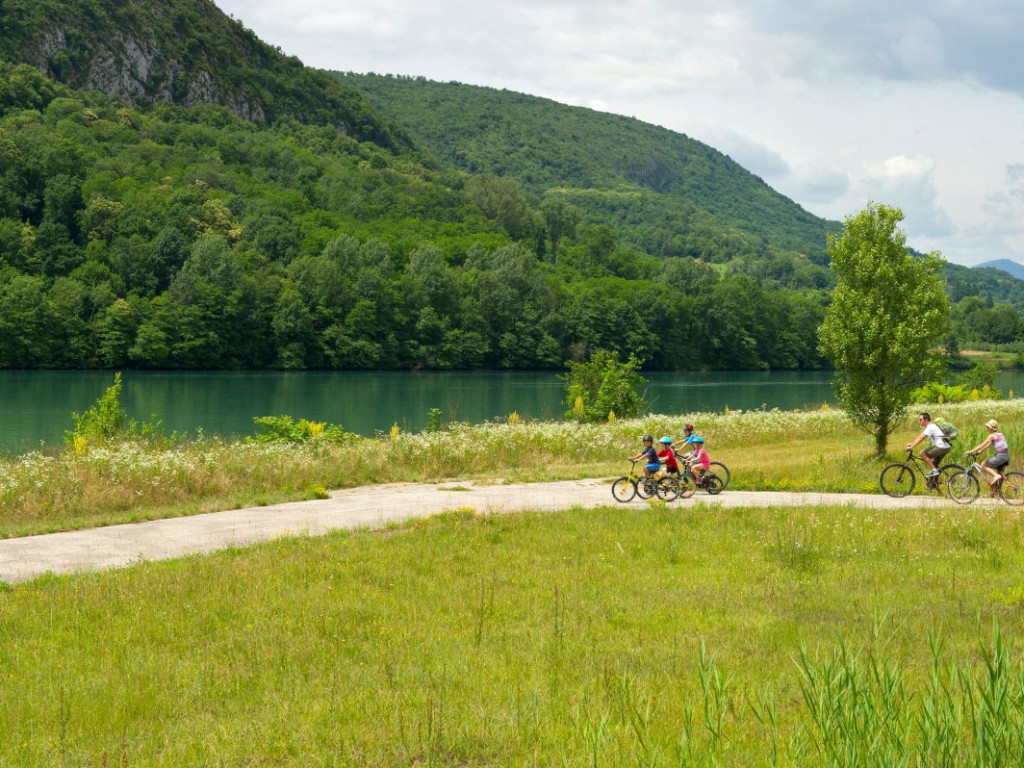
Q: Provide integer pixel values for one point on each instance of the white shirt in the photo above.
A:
(934, 431)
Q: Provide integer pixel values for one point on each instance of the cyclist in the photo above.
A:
(940, 446)
(1000, 451)
(650, 456)
(686, 446)
(699, 460)
(668, 457)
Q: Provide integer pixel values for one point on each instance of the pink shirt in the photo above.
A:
(700, 456)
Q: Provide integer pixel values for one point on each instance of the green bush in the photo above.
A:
(934, 392)
(105, 421)
(284, 429)
(603, 386)
(981, 377)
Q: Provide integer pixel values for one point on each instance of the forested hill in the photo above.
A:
(288, 224)
(673, 195)
(183, 51)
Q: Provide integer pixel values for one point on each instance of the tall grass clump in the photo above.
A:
(865, 710)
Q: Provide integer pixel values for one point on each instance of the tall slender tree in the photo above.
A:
(888, 309)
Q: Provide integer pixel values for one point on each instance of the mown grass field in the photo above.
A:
(766, 450)
(620, 636)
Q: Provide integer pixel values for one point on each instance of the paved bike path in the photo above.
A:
(365, 507)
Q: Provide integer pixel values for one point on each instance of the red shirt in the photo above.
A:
(670, 459)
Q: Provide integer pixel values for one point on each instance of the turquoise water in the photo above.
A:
(36, 406)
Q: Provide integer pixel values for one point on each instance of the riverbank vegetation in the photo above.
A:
(147, 478)
(660, 636)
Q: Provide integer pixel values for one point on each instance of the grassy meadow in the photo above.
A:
(816, 450)
(668, 636)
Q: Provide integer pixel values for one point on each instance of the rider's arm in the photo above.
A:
(911, 446)
(984, 444)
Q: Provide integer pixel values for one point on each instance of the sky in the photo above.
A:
(834, 103)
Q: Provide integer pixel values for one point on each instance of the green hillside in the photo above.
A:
(170, 237)
(661, 192)
(176, 194)
(674, 196)
(182, 51)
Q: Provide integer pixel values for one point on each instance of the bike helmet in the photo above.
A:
(647, 439)
(699, 440)
(666, 440)
(688, 428)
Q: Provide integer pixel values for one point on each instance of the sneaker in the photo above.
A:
(933, 473)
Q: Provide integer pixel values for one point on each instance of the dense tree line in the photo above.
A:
(175, 237)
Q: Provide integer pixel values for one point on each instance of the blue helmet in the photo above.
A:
(699, 440)
(666, 440)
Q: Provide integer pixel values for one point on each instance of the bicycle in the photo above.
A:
(688, 486)
(638, 484)
(898, 479)
(721, 471)
(964, 486)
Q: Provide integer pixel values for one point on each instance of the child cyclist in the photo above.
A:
(667, 456)
(699, 460)
(686, 446)
(650, 456)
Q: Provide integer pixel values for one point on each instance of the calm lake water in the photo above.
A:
(36, 406)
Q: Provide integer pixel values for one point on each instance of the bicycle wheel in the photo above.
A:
(1012, 489)
(897, 480)
(946, 472)
(713, 484)
(645, 488)
(686, 487)
(623, 489)
(963, 488)
(668, 489)
(723, 473)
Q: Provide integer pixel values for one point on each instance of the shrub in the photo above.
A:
(981, 377)
(106, 421)
(284, 429)
(602, 386)
(934, 392)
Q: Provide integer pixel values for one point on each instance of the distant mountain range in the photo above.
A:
(1007, 265)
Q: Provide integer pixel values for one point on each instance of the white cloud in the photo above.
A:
(812, 183)
(908, 182)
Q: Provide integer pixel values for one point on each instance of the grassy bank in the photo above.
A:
(613, 637)
(774, 450)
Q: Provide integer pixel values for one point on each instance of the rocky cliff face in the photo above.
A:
(136, 69)
(183, 51)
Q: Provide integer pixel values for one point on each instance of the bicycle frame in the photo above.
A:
(978, 470)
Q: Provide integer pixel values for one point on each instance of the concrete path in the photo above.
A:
(365, 507)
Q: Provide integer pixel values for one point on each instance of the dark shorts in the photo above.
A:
(935, 453)
(997, 461)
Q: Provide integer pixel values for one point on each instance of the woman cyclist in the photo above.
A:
(1000, 450)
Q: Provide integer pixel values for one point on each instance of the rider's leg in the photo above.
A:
(927, 459)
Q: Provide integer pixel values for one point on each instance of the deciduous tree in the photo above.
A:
(888, 309)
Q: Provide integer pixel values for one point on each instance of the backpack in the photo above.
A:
(951, 432)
